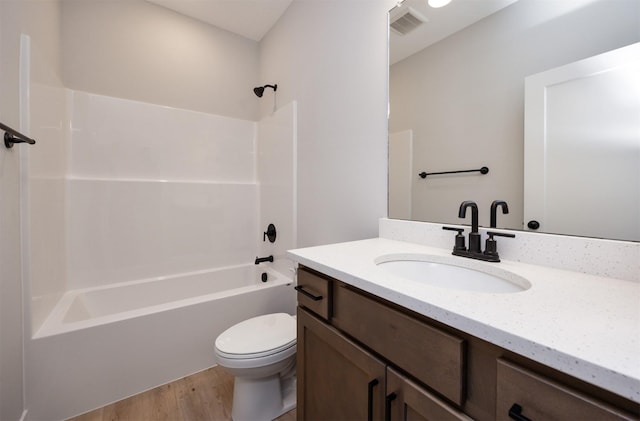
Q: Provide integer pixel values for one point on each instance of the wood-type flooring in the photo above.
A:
(204, 396)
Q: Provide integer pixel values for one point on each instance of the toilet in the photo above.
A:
(261, 353)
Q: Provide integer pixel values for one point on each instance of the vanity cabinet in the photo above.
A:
(340, 379)
(360, 357)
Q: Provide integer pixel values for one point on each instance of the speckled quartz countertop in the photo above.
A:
(583, 325)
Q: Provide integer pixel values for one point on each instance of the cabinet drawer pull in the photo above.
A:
(300, 289)
(373, 383)
(387, 405)
(515, 413)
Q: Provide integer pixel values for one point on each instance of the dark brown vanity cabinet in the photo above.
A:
(339, 380)
(360, 357)
(343, 366)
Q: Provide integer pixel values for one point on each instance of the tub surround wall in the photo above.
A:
(277, 174)
(45, 197)
(155, 190)
(608, 258)
(119, 138)
(128, 230)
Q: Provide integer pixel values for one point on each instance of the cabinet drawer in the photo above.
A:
(314, 292)
(540, 398)
(433, 356)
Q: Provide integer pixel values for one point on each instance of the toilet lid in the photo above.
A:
(269, 333)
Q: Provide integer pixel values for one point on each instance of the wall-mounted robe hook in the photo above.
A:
(270, 233)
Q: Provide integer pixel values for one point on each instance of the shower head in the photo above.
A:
(260, 89)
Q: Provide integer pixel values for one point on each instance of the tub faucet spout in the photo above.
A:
(263, 259)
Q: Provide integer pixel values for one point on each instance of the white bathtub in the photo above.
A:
(103, 344)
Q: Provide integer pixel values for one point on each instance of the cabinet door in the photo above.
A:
(408, 401)
(337, 380)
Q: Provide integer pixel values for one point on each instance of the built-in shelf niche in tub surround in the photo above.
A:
(155, 190)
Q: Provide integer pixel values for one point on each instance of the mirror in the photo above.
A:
(458, 104)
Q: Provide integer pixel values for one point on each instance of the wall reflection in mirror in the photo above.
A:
(459, 103)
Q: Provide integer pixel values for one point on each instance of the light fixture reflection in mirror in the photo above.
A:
(438, 3)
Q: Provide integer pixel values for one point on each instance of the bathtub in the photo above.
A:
(104, 344)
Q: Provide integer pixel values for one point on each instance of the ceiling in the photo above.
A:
(253, 18)
(250, 18)
(440, 23)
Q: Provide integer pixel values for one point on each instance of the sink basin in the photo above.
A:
(434, 271)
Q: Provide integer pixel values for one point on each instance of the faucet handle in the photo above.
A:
(491, 245)
(459, 244)
(500, 234)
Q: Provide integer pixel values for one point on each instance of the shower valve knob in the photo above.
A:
(270, 233)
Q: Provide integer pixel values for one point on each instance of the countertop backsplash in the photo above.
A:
(595, 256)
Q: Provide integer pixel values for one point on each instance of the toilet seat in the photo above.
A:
(258, 337)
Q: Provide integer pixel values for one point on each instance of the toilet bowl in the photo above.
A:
(261, 353)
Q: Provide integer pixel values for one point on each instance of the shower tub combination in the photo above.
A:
(133, 206)
(102, 344)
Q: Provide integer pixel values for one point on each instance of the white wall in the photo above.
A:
(41, 21)
(474, 80)
(11, 354)
(138, 50)
(331, 57)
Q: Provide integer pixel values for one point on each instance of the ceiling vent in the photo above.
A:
(404, 19)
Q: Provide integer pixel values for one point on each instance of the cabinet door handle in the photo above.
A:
(515, 413)
(373, 383)
(387, 405)
(301, 290)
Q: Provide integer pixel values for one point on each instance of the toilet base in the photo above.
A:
(263, 399)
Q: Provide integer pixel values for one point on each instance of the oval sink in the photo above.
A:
(433, 271)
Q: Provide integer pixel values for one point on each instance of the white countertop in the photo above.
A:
(583, 325)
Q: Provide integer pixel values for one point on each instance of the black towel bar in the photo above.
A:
(482, 170)
(13, 136)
